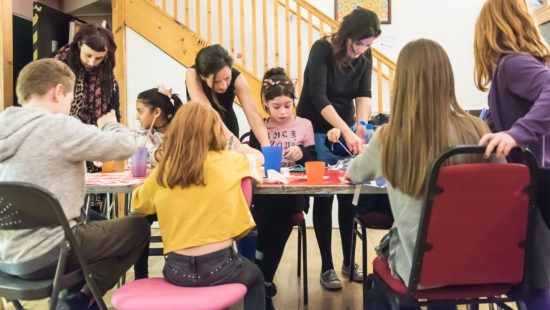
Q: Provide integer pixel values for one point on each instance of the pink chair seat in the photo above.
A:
(156, 293)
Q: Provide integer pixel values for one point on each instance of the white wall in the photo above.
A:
(147, 67)
(450, 23)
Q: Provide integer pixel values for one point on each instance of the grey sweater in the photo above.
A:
(50, 150)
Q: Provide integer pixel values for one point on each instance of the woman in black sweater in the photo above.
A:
(338, 72)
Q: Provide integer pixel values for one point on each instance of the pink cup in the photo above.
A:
(139, 163)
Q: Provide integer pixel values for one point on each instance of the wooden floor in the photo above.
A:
(290, 294)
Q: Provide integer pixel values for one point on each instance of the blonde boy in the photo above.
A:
(41, 144)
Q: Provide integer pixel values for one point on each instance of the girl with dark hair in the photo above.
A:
(91, 56)
(213, 80)
(295, 135)
(338, 72)
(155, 109)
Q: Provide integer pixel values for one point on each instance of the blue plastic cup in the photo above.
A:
(139, 163)
(273, 158)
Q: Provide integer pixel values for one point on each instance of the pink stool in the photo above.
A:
(156, 293)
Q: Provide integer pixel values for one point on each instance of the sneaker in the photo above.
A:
(330, 280)
(270, 291)
(357, 273)
(78, 301)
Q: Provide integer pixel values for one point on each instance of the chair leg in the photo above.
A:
(299, 249)
(17, 305)
(364, 260)
(304, 255)
(353, 243)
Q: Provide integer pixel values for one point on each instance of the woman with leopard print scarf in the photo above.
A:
(91, 56)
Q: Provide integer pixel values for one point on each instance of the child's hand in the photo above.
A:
(333, 135)
(293, 153)
(110, 117)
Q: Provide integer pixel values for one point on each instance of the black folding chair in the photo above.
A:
(28, 206)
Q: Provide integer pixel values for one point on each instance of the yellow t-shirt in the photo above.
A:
(199, 215)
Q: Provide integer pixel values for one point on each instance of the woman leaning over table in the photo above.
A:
(338, 72)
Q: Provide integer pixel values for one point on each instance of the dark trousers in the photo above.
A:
(273, 217)
(112, 246)
(322, 224)
(220, 267)
(141, 268)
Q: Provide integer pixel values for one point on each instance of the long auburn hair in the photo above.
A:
(504, 27)
(357, 25)
(199, 130)
(425, 116)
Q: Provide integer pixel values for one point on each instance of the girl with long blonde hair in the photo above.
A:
(511, 61)
(196, 193)
(425, 120)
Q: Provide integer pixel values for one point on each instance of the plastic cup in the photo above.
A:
(139, 162)
(273, 156)
(315, 171)
(113, 166)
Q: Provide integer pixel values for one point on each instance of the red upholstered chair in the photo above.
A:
(362, 221)
(474, 235)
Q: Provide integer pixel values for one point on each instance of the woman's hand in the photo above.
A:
(333, 135)
(503, 142)
(354, 143)
(293, 153)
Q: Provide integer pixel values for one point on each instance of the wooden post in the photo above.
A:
(287, 34)
(299, 46)
(6, 54)
(264, 24)
(243, 47)
(276, 30)
(119, 32)
(254, 40)
(209, 20)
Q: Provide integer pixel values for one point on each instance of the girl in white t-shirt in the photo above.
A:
(295, 135)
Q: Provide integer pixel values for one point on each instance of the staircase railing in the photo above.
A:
(266, 33)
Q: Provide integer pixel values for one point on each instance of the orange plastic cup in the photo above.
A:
(315, 171)
(113, 166)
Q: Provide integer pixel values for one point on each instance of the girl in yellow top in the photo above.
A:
(196, 193)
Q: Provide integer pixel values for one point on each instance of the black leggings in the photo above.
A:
(322, 223)
(273, 216)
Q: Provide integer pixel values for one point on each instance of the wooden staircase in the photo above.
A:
(259, 34)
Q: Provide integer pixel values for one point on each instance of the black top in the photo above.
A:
(226, 100)
(324, 85)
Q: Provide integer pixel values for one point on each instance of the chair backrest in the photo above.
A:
(246, 185)
(27, 206)
(474, 227)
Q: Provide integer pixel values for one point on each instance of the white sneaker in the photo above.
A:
(330, 280)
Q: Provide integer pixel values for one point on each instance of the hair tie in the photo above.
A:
(165, 91)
